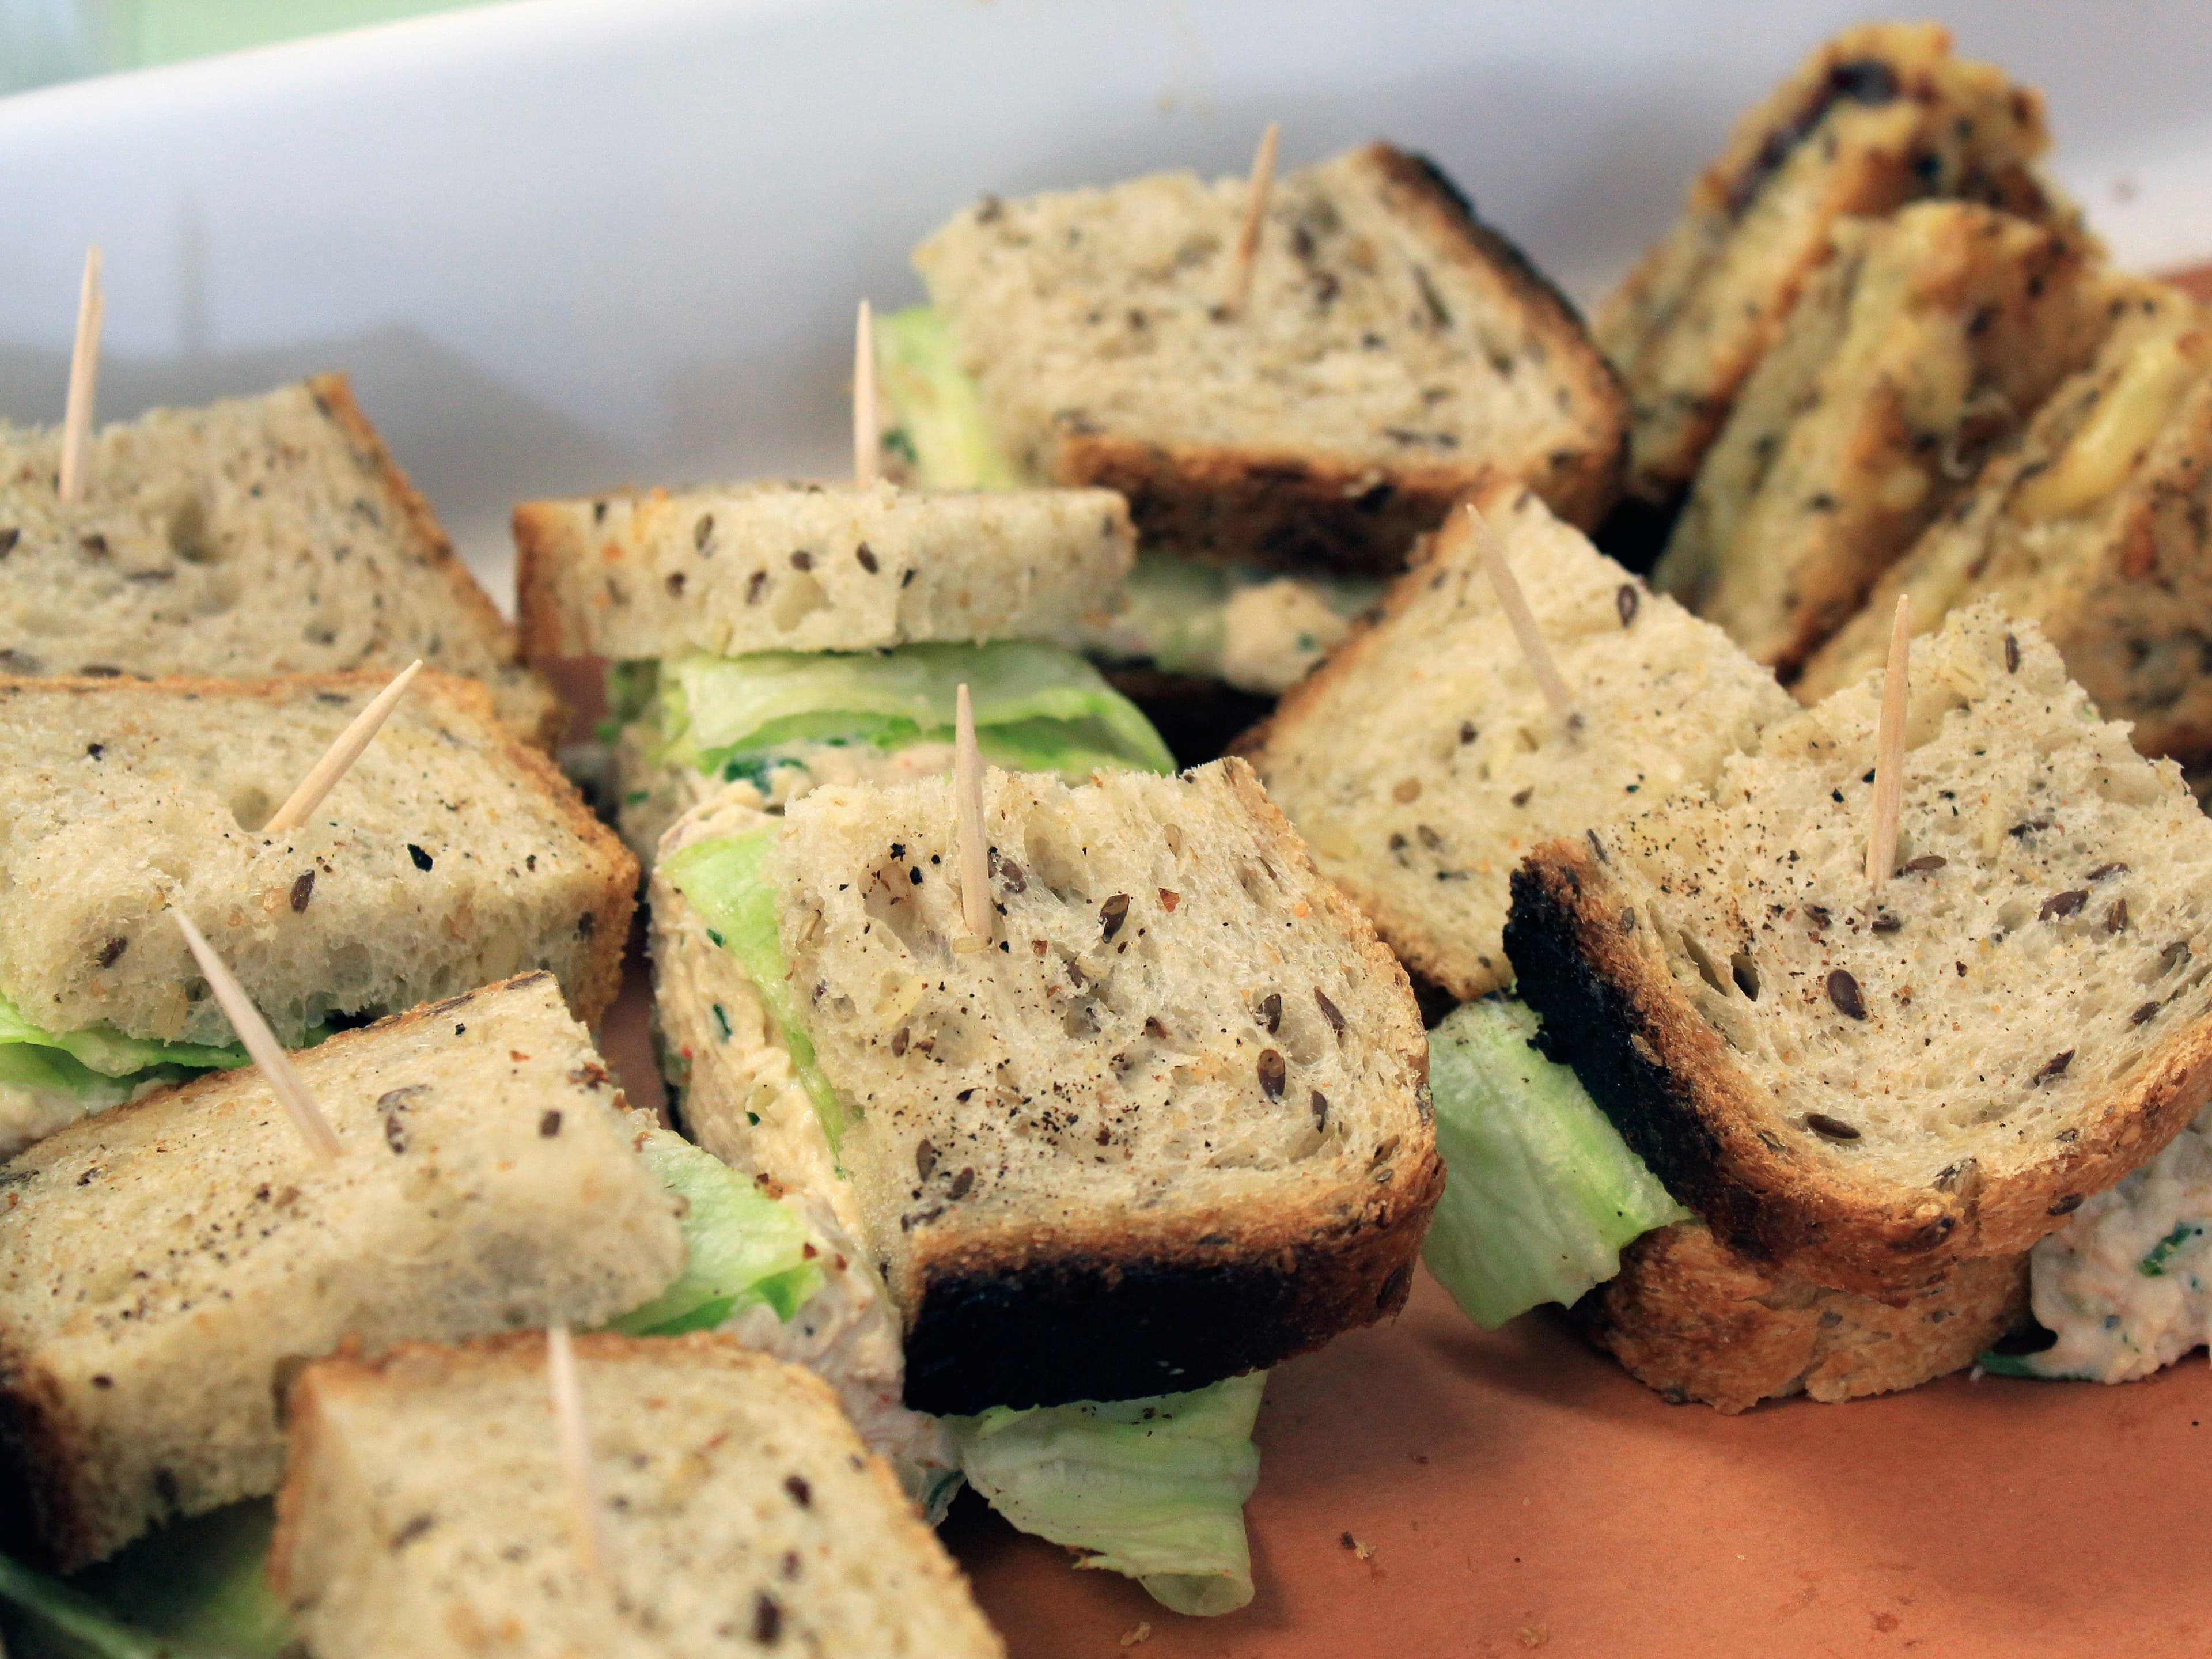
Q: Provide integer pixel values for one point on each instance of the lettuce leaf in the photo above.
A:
(740, 1245)
(1038, 707)
(192, 1590)
(1540, 1192)
(941, 433)
(1153, 1488)
(723, 879)
(76, 1061)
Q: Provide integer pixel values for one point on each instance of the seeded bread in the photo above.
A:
(1178, 1128)
(1395, 352)
(449, 855)
(426, 1512)
(1926, 338)
(799, 567)
(1696, 1322)
(1880, 116)
(164, 1265)
(259, 536)
(2094, 524)
(1422, 760)
(1860, 1096)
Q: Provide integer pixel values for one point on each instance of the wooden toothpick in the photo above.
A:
(1246, 254)
(867, 437)
(1492, 547)
(319, 782)
(261, 1042)
(578, 1471)
(968, 824)
(84, 376)
(1889, 749)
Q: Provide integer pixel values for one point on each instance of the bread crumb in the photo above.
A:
(1142, 1633)
(1534, 1636)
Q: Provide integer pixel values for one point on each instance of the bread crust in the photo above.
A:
(1663, 1075)
(541, 545)
(1695, 1321)
(333, 394)
(1292, 510)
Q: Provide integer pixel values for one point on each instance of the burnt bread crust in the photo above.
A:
(1690, 1319)
(1042, 1321)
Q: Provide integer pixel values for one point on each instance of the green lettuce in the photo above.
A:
(740, 1245)
(192, 1590)
(942, 433)
(723, 879)
(97, 1064)
(1038, 707)
(1153, 1488)
(1540, 1192)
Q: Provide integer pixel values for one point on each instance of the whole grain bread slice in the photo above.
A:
(1395, 352)
(451, 855)
(1927, 338)
(163, 1267)
(1694, 1319)
(1882, 115)
(2096, 522)
(809, 566)
(426, 1512)
(1421, 760)
(244, 538)
(1864, 1094)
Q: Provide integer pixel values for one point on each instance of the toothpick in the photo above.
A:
(342, 754)
(261, 1042)
(1492, 546)
(84, 375)
(577, 1470)
(1247, 253)
(1889, 749)
(867, 436)
(968, 824)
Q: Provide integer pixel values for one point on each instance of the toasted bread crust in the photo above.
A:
(1692, 1320)
(542, 544)
(535, 701)
(1663, 1075)
(1292, 510)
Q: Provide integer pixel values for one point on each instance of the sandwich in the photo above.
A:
(1279, 456)
(2088, 522)
(1880, 116)
(1167, 1129)
(242, 539)
(1862, 1111)
(779, 636)
(425, 1510)
(1925, 339)
(451, 855)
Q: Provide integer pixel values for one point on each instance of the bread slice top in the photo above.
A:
(1929, 337)
(2091, 523)
(163, 1265)
(427, 1512)
(1171, 1126)
(781, 566)
(1861, 1093)
(1881, 115)
(252, 537)
(1422, 761)
(1394, 353)
(449, 855)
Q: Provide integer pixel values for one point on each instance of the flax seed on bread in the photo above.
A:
(1866, 1095)
(1396, 352)
(252, 537)
(1927, 338)
(802, 566)
(425, 1512)
(164, 1265)
(2094, 523)
(1421, 760)
(1692, 1318)
(451, 855)
(1880, 116)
